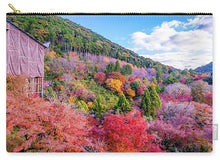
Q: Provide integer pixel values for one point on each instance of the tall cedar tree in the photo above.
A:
(155, 101)
(117, 66)
(158, 88)
(150, 102)
(154, 80)
(110, 67)
(123, 106)
(146, 103)
(98, 108)
(159, 75)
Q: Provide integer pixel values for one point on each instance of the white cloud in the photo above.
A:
(181, 60)
(181, 48)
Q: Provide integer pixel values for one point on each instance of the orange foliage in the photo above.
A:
(52, 54)
(114, 85)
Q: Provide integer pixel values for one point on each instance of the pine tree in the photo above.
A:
(146, 103)
(154, 80)
(98, 108)
(155, 99)
(158, 88)
(123, 105)
(110, 67)
(117, 66)
(150, 102)
(159, 75)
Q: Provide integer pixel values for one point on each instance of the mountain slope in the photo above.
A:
(205, 69)
(65, 35)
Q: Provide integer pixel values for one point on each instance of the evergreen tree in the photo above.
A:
(123, 105)
(158, 88)
(162, 89)
(154, 80)
(150, 102)
(98, 108)
(117, 66)
(126, 70)
(110, 67)
(159, 75)
(83, 106)
(155, 99)
(146, 103)
(96, 69)
(146, 80)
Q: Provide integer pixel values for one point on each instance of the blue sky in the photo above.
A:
(182, 41)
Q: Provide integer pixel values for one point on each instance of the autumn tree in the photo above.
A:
(114, 85)
(123, 106)
(100, 77)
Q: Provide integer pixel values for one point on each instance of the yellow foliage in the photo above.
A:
(114, 85)
(71, 100)
(124, 54)
(89, 104)
(52, 54)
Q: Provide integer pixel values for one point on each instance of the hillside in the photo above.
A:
(205, 69)
(65, 36)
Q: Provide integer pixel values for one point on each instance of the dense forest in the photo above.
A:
(100, 97)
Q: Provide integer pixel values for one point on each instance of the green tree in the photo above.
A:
(110, 67)
(170, 80)
(96, 69)
(83, 106)
(126, 70)
(136, 84)
(146, 103)
(150, 102)
(189, 80)
(123, 106)
(155, 99)
(98, 108)
(158, 88)
(146, 80)
(154, 80)
(117, 66)
(159, 75)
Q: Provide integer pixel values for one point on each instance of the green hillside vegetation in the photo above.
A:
(65, 36)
